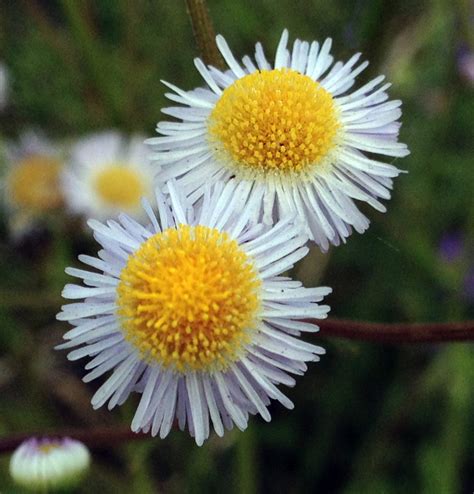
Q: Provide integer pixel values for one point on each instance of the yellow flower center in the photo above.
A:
(34, 183)
(189, 299)
(48, 447)
(276, 122)
(120, 186)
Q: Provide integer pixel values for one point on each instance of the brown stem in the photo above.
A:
(422, 332)
(338, 328)
(94, 438)
(397, 332)
(204, 33)
(29, 300)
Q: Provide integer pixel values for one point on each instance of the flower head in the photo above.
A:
(192, 314)
(468, 288)
(296, 127)
(465, 63)
(31, 183)
(108, 174)
(48, 463)
(451, 246)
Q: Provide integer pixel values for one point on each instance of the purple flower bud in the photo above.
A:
(451, 246)
(466, 66)
(469, 285)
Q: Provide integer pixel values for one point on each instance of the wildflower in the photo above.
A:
(468, 288)
(191, 312)
(108, 174)
(31, 182)
(48, 463)
(296, 127)
(454, 250)
(465, 63)
(451, 247)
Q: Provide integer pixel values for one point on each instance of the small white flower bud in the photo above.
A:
(49, 463)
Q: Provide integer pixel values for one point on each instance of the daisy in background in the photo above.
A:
(191, 312)
(296, 126)
(44, 464)
(109, 174)
(31, 182)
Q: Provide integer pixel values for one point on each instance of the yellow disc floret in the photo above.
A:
(119, 186)
(188, 299)
(33, 184)
(48, 447)
(274, 122)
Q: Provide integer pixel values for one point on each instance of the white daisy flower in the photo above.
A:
(296, 126)
(190, 312)
(108, 174)
(31, 179)
(47, 463)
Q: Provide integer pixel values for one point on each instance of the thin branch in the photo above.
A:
(423, 332)
(339, 328)
(397, 332)
(204, 33)
(11, 300)
(94, 438)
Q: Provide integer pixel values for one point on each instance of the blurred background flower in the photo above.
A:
(466, 65)
(49, 464)
(451, 246)
(31, 180)
(108, 174)
(369, 418)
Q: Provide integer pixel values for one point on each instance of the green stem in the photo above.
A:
(465, 12)
(441, 459)
(93, 56)
(246, 460)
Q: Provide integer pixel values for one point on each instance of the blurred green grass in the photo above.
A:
(368, 418)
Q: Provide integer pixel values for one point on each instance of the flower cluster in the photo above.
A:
(96, 176)
(190, 309)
